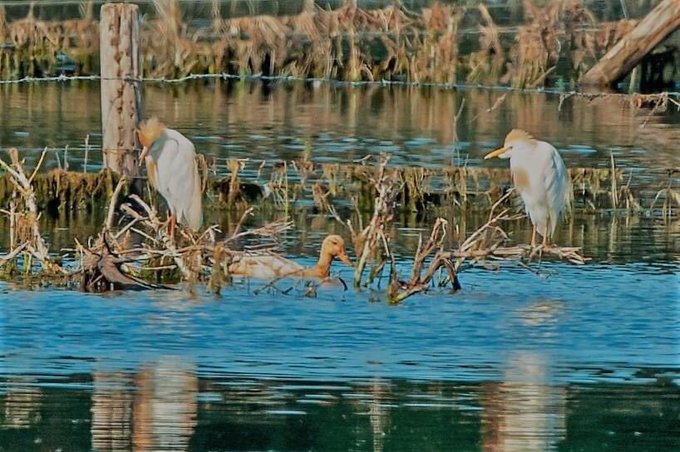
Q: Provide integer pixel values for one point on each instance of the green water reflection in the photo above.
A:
(166, 406)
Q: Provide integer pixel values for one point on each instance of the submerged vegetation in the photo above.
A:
(134, 250)
(348, 43)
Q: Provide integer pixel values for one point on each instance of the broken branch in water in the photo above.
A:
(366, 241)
(399, 291)
(488, 240)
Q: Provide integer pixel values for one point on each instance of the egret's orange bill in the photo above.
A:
(142, 155)
(495, 153)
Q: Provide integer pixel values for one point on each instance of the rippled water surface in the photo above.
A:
(556, 356)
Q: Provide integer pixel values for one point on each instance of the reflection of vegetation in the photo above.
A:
(247, 413)
(347, 43)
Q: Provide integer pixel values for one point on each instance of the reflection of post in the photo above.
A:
(165, 408)
(111, 411)
(121, 97)
(22, 403)
(378, 415)
(525, 412)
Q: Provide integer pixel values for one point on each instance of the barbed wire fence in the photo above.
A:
(89, 157)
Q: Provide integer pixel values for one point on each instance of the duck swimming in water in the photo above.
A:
(271, 266)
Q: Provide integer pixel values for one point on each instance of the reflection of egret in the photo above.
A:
(173, 171)
(540, 177)
(165, 408)
(268, 266)
(526, 411)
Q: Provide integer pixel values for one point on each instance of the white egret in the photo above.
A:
(173, 171)
(269, 266)
(540, 177)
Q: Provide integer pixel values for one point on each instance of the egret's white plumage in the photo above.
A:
(173, 171)
(541, 178)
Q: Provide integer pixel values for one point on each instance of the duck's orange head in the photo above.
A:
(148, 132)
(334, 246)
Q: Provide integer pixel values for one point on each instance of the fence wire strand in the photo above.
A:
(666, 96)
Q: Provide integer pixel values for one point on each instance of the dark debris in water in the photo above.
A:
(138, 251)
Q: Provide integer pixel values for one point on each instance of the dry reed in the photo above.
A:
(134, 249)
(348, 43)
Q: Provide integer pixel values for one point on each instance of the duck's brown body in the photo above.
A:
(272, 266)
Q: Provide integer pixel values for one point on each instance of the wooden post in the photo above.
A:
(121, 89)
(627, 53)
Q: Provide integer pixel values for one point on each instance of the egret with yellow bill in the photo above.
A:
(173, 171)
(540, 177)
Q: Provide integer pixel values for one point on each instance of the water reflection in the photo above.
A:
(378, 415)
(22, 403)
(160, 407)
(341, 123)
(165, 406)
(527, 411)
(112, 413)
(154, 409)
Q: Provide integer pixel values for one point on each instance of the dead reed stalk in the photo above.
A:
(370, 238)
(24, 217)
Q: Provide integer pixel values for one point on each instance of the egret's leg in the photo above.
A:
(533, 237)
(545, 237)
(172, 221)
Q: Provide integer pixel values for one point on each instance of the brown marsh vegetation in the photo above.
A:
(348, 43)
(132, 248)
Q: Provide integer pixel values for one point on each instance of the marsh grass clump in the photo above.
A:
(670, 197)
(59, 191)
(38, 48)
(487, 64)
(348, 43)
(26, 240)
(134, 248)
(301, 184)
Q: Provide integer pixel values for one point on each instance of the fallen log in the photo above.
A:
(627, 53)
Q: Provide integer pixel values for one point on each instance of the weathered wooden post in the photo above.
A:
(663, 20)
(121, 89)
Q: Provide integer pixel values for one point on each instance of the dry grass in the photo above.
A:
(348, 43)
(134, 248)
(25, 237)
(297, 184)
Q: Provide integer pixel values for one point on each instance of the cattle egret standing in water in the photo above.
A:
(540, 177)
(173, 171)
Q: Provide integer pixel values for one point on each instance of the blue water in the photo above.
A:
(553, 356)
(590, 322)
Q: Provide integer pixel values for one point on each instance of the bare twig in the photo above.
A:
(112, 203)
